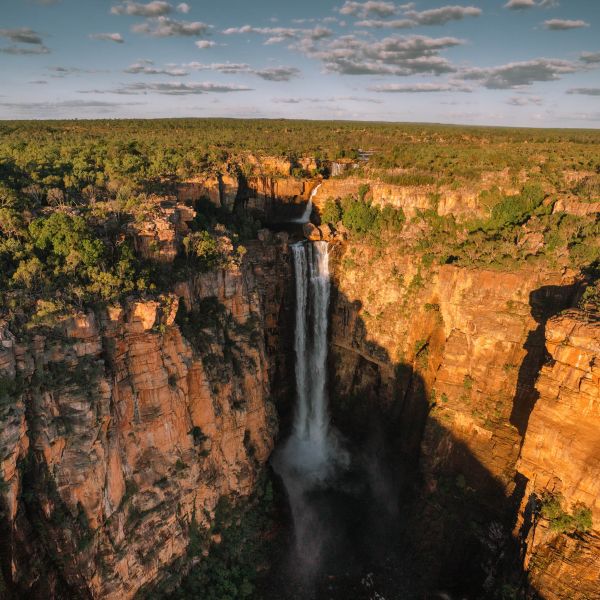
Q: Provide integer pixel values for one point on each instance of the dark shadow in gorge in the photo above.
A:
(545, 302)
(385, 532)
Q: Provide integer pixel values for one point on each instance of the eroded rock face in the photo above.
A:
(446, 361)
(127, 428)
(560, 455)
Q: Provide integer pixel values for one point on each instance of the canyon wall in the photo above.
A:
(121, 428)
(125, 426)
(561, 456)
(449, 362)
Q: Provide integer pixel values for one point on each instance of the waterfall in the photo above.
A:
(305, 218)
(311, 423)
(310, 457)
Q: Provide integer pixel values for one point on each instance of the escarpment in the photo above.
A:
(125, 426)
(459, 352)
(485, 390)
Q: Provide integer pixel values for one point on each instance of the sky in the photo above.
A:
(494, 62)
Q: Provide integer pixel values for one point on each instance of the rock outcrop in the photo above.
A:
(560, 456)
(123, 428)
(446, 359)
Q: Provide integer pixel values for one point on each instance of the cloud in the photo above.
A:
(146, 67)
(183, 8)
(520, 4)
(46, 105)
(279, 73)
(22, 35)
(179, 88)
(563, 24)
(276, 35)
(525, 101)
(400, 55)
(415, 88)
(444, 14)
(167, 27)
(152, 9)
(393, 24)
(590, 57)
(335, 99)
(518, 74)
(205, 44)
(64, 71)
(109, 37)
(23, 51)
(585, 91)
(525, 4)
(364, 9)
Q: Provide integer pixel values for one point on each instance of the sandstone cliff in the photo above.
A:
(126, 425)
(447, 359)
(560, 456)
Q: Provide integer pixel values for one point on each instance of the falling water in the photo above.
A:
(311, 454)
(305, 218)
(311, 425)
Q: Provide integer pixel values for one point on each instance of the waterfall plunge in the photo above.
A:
(305, 218)
(311, 423)
(312, 453)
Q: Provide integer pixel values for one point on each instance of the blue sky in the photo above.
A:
(496, 62)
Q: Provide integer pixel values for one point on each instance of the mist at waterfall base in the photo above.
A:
(341, 503)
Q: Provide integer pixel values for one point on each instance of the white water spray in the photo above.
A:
(311, 423)
(305, 218)
(310, 456)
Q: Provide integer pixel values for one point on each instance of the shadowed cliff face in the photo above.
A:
(441, 421)
(381, 528)
(127, 430)
(130, 423)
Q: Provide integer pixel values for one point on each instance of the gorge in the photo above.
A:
(395, 396)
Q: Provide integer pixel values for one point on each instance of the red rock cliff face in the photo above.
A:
(561, 455)
(448, 358)
(127, 432)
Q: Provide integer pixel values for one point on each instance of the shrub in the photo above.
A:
(561, 521)
(203, 247)
(332, 211)
(198, 435)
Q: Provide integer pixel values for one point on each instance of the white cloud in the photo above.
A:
(525, 101)
(585, 91)
(392, 24)
(23, 51)
(184, 8)
(110, 37)
(205, 44)
(152, 9)
(167, 27)
(519, 74)
(277, 35)
(334, 99)
(364, 9)
(146, 67)
(278, 73)
(563, 24)
(520, 4)
(400, 55)
(22, 35)
(590, 57)
(46, 105)
(181, 89)
(444, 14)
(415, 88)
